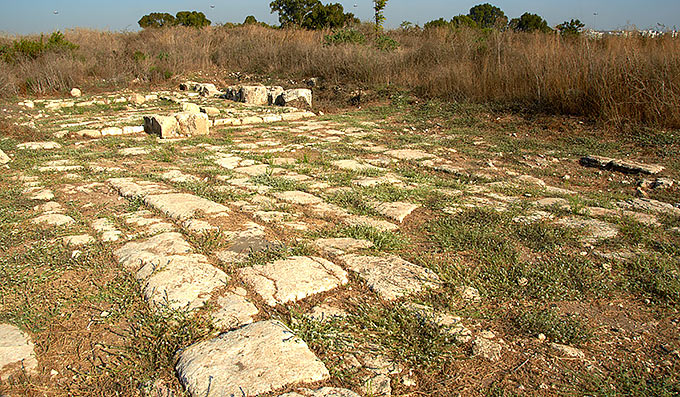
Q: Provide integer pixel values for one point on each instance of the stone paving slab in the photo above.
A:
(16, 351)
(323, 392)
(391, 277)
(258, 358)
(292, 279)
(184, 206)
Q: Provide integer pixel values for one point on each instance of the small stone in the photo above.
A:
(568, 350)
(54, 220)
(4, 159)
(75, 241)
(377, 386)
(75, 92)
(470, 294)
(488, 349)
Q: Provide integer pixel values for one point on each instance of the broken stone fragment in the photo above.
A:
(486, 348)
(75, 92)
(163, 126)
(299, 98)
(625, 166)
(256, 95)
(4, 159)
(193, 124)
(137, 99)
(190, 108)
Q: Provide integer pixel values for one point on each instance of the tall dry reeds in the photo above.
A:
(616, 79)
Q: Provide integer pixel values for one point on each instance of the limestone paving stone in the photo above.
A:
(391, 277)
(256, 359)
(323, 392)
(397, 211)
(183, 206)
(353, 165)
(234, 310)
(54, 220)
(16, 351)
(341, 245)
(39, 145)
(78, 240)
(4, 158)
(645, 204)
(594, 230)
(130, 188)
(292, 279)
(409, 154)
(171, 275)
(297, 197)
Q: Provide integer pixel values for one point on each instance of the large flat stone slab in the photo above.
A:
(340, 245)
(297, 197)
(409, 154)
(16, 351)
(593, 230)
(128, 187)
(391, 277)
(171, 276)
(323, 392)
(234, 310)
(183, 206)
(397, 210)
(294, 278)
(353, 165)
(625, 166)
(258, 358)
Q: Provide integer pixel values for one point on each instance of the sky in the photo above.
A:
(36, 16)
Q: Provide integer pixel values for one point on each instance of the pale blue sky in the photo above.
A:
(31, 16)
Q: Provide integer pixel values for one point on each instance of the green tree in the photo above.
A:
(157, 20)
(193, 19)
(330, 16)
(437, 23)
(379, 8)
(571, 28)
(530, 23)
(250, 20)
(460, 21)
(488, 16)
(292, 12)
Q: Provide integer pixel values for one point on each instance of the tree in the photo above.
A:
(157, 20)
(379, 8)
(437, 23)
(292, 12)
(193, 19)
(329, 16)
(250, 20)
(571, 28)
(460, 21)
(530, 23)
(488, 16)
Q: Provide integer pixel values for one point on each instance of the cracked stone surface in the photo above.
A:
(353, 165)
(292, 279)
(340, 246)
(39, 145)
(54, 220)
(397, 211)
(16, 351)
(594, 230)
(258, 358)
(323, 392)
(234, 310)
(409, 154)
(391, 277)
(171, 276)
(183, 206)
(297, 197)
(130, 188)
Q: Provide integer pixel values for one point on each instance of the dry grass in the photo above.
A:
(617, 80)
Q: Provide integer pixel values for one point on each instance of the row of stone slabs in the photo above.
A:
(257, 357)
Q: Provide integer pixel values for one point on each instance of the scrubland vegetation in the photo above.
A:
(614, 79)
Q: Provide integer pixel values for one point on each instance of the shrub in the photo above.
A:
(386, 43)
(345, 36)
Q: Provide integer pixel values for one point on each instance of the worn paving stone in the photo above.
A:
(258, 358)
(297, 197)
(391, 277)
(4, 158)
(16, 352)
(397, 211)
(177, 176)
(644, 204)
(54, 220)
(234, 310)
(323, 392)
(409, 154)
(129, 187)
(183, 206)
(106, 229)
(340, 245)
(171, 275)
(38, 145)
(594, 230)
(360, 220)
(76, 241)
(292, 279)
(646, 219)
(353, 165)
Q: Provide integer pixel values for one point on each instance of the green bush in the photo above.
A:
(33, 48)
(385, 43)
(345, 36)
